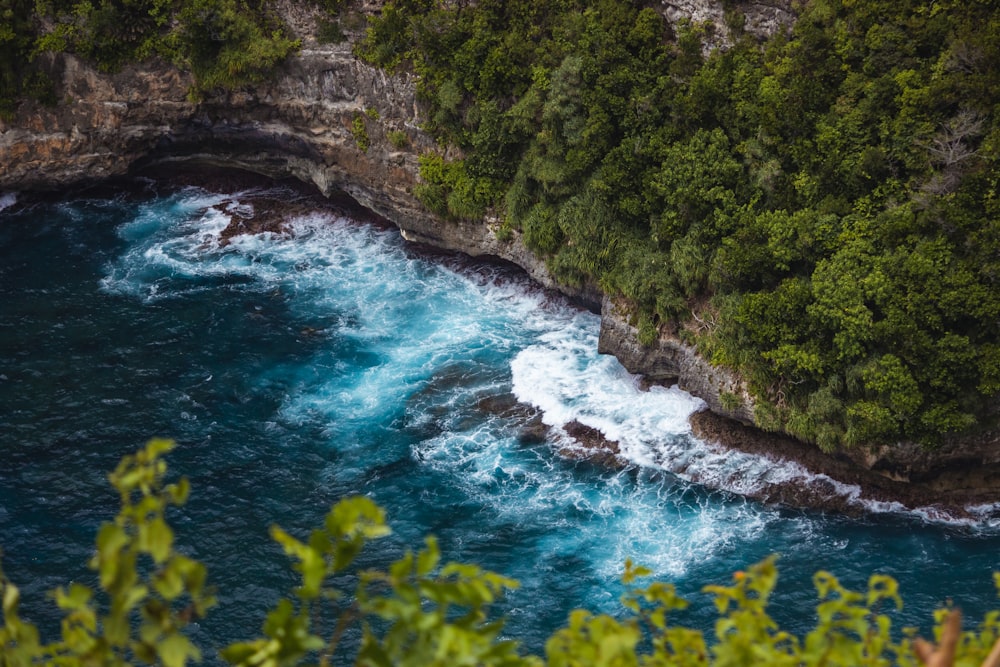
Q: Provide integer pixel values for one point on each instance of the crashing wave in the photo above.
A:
(7, 199)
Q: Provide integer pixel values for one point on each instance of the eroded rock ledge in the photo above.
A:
(948, 484)
(670, 361)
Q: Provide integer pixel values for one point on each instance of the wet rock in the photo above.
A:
(531, 430)
(589, 444)
(534, 431)
(947, 495)
(264, 213)
(506, 406)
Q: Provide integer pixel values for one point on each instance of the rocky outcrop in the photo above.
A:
(760, 18)
(671, 361)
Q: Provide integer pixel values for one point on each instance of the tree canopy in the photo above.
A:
(824, 199)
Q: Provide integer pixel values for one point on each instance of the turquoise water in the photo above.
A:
(333, 359)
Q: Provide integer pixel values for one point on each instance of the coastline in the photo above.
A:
(953, 495)
(811, 479)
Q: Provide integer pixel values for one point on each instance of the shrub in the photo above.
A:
(360, 133)
(398, 139)
(329, 31)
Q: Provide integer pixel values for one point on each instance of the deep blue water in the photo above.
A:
(296, 368)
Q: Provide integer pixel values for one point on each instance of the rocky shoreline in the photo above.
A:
(953, 494)
(820, 481)
(812, 480)
(298, 127)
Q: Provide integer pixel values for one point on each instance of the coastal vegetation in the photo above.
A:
(817, 210)
(421, 612)
(223, 43)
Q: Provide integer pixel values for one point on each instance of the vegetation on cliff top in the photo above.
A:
(224, 43)
(422, 613)
(818, 210)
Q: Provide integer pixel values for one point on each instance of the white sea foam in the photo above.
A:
(609, 519)
(7, 199)
(561, 375)
(160, 252)
(985, 515)
(617, 516)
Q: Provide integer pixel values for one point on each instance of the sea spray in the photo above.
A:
(7, 199)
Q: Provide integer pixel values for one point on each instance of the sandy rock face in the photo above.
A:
(102, 124)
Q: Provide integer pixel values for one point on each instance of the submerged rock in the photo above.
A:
(589, 444)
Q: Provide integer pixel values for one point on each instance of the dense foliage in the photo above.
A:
(818, 210)
(419, 612)
(17, 34)
(224, 43)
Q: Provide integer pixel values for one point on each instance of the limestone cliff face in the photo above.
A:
(671, 361)
(101, 125)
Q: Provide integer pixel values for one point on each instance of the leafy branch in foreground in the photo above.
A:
(150, 591)
(418, 612)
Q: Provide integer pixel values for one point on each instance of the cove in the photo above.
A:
(329, 358)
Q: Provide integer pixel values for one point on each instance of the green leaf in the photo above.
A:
(428, 558)
(160, 539)
(176, 650)
(11, 598)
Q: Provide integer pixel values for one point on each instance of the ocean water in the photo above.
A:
(296, 367)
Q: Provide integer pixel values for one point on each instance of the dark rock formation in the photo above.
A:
(589, 444)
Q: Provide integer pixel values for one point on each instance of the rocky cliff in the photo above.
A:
(671, 361)
(332, 121)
